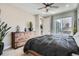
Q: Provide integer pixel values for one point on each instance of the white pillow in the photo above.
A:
(76, 37)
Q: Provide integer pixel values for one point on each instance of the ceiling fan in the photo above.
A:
(47, 6)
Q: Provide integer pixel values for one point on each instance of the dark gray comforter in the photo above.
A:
(51, 45)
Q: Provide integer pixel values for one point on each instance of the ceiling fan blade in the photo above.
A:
(47, 4)
(51, 4)
(44, 4)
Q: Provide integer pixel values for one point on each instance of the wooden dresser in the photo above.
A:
(20, 38)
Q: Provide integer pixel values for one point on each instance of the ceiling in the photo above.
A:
(33, 8)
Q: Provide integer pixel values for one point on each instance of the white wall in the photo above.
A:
(78, 19)
(14, 16)
(37, 25)
(46, 25)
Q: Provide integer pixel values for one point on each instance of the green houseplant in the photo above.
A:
(30, 26)
(3, 32)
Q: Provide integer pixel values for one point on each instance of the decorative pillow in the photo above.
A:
(76, 37)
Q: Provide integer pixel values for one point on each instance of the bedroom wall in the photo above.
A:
(46, 22)
(63, 15)
(78, 18)
(37, 25)
(14, 16)
(47, 25)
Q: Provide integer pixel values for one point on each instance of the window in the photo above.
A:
(64, 25)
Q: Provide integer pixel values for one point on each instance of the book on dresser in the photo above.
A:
(20, 38)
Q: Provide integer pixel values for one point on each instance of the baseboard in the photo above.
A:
(7, 47)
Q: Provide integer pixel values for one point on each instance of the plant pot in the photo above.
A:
(1, 48)
(30, 29)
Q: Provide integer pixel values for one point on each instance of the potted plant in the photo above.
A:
(3, 32)
(30, 26)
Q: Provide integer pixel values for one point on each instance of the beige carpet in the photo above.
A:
(15, 52)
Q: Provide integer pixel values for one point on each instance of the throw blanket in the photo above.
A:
(52, 45)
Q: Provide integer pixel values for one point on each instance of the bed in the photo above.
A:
(51, 45)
